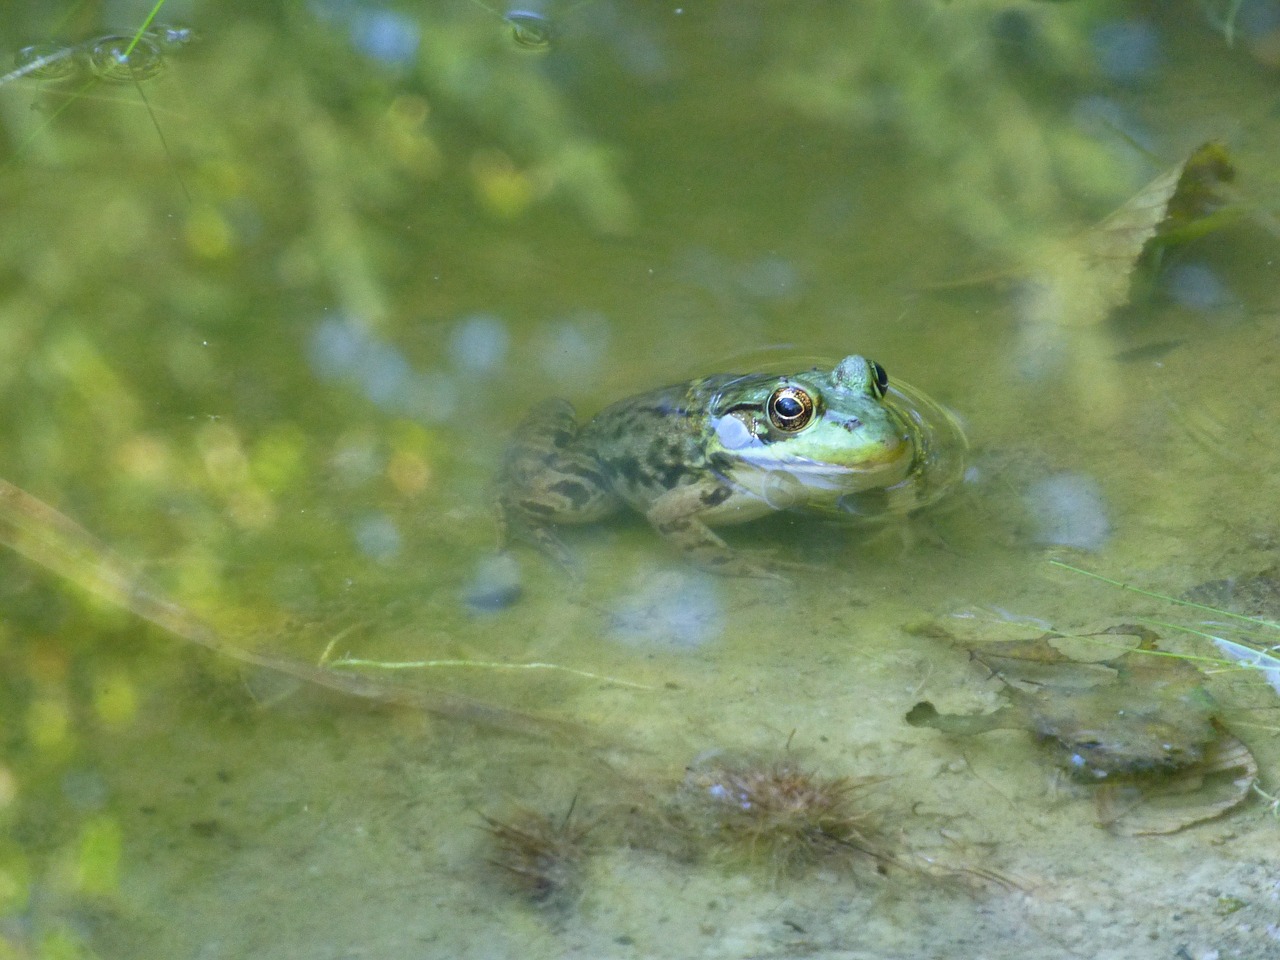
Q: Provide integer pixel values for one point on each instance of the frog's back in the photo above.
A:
(653, 442)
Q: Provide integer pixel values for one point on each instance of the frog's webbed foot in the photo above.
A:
(675, 515)
(730, 563)
(785, 568)
(514, 525)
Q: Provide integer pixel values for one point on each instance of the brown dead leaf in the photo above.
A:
(1218, 783)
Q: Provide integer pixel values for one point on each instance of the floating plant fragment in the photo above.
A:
(114, 58)
(46, 61)
(1141, 721)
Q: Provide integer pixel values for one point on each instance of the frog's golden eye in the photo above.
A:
(790, 409)
(881, 378)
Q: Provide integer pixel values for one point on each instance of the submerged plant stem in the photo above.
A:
(44, 536)
(1216, 611)
(347, 661)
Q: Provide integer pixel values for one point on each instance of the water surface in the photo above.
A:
(270, 311)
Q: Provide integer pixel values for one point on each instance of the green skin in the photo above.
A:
(712, 451)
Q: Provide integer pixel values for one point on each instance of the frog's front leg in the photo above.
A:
(679, 515)
(545, 481)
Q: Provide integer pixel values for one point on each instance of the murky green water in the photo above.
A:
(268, 317)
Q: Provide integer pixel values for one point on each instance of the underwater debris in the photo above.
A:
(1247, 607)
(778, 813)
(1135, 713)
(1138, 712)
(1252, 596)
(540, 855)
(1141, 721)
(1220, 781)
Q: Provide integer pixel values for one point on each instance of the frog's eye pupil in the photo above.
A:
(790, 409)
(882, 378)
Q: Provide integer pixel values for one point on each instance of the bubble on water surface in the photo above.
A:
(1128, 51)
(530, 30)
(124, 59)
(494, 586)
(85, 790)
(170, 36)
(383, 374)
(432, 396)
(1197, 286)
(572, 349)
(47, 61)
(334, 348)
(769, 278)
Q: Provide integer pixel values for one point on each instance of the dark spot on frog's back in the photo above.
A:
(577, 492)
(674, 462)
(671, 474)
(713, 498)
(660, 465)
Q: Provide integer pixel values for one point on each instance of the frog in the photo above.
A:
(719, 450)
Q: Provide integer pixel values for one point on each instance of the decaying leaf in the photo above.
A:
(1221, 781)
(1079, 281)
(1138, 712)
(1139, 724)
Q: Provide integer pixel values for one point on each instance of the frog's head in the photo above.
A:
(818, 434)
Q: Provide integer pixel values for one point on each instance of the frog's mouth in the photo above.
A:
(891, 464)
(794, 480)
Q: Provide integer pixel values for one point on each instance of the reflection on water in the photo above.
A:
(274, 294)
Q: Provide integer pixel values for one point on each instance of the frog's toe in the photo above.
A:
(760, 566)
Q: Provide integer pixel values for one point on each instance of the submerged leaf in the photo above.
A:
(1139, 724)
(1080, 281)
(925, 714)
(1133, 714)
(1220, 782)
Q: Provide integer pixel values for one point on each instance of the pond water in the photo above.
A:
(279, 281)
